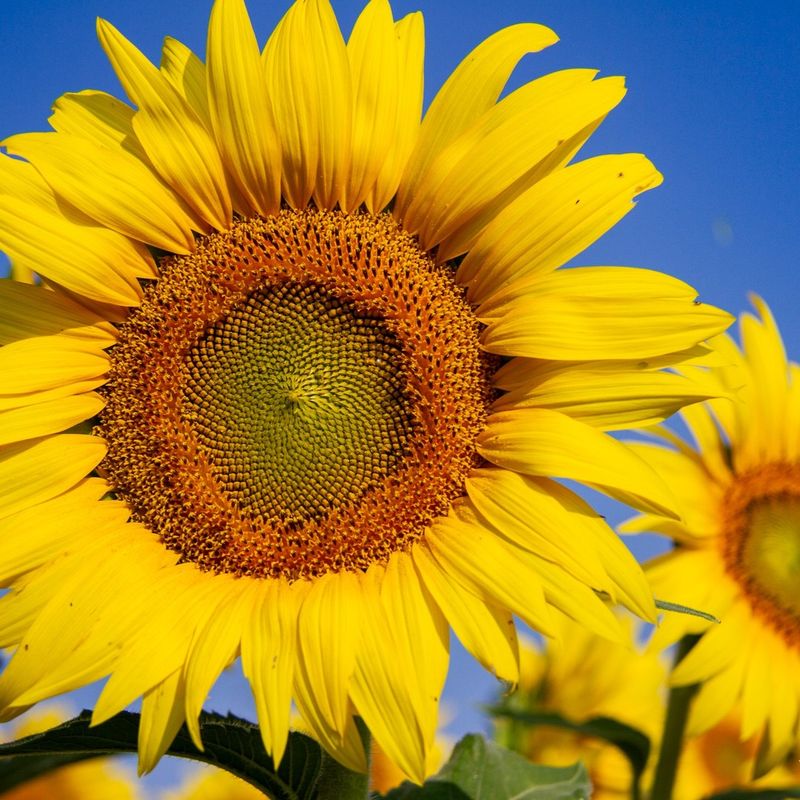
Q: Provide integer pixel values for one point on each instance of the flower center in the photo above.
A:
(762, 542)
(300, 395)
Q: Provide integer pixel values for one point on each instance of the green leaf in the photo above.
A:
(757, 794)
(230, 743)
(482, 770)
(633, 743)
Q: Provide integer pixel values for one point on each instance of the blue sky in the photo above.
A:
(713, 100)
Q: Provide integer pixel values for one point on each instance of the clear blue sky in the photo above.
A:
(713, 101)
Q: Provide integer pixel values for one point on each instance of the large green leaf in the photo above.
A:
(230, 743)
(482, 770)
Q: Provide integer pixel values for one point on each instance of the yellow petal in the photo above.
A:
(410, 52)
(329, 628)
(472, 89)
(44, 362)
(607, 397)
(536, 441)
(173, 136)
(553, 221)
(19, 424)
(598, 313)
(525, 513)
(699, 498)
(485, 629)
(111, 186)
(490, 568)
(162, 717)
(188, 75)
(65, 246)
(30, 310)
(36, 535)
(215, 645)
(38, 470)
(308, 73)
(99, 117)
(373, 54)
(269, 651)
(509, 143)
(185, 598)
(396, 692)
(241, 112)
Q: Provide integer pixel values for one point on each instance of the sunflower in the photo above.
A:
(737, 545)
(581, 676)
(300, 370)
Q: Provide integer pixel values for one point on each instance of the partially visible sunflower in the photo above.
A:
(324, 369)
(737, 544)
(210, 783)
(718, 760)
(93, 779)
(581, 676)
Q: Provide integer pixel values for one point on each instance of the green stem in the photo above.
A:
(674, 727)
(339, 783)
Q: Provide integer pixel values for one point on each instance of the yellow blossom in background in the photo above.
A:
(324, 368)
(737, 545)
(92, 779)
(209, 783)
(580, 676)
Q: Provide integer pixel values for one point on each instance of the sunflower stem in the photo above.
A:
(674, 729)
(337, 782)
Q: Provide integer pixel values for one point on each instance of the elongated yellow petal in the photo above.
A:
(111, 186)
(174, 137)
(44, 362)
(609, 399)
(530, 517)
(395, 692)
(188, 75)
(71, 662)
(598, 313)
(509, 142)
(37, 534)
(410, 53)
(30, 310)
(98, 117)
(485, 629)
(269, 652)
(537, 441)
(241, 112)
(472, 89)
(185, 599)
(214, 647)
(372, 51)
(490, 568)
(699, 497)
(326, 662)
(38, 470)
(553, 221)
(19, 424)
(308, 72)
(62, 244)
(162, 717)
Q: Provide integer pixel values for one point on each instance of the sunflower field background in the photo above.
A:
(712, 100)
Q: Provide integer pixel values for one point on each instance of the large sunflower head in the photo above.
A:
(737, 544)
(317, 370)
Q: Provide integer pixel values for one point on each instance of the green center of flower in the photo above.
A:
(772, 549)
(298, 401)
(761, 545)
(300, 395)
